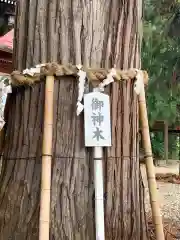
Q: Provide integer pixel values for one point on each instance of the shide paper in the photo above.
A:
(4, 90)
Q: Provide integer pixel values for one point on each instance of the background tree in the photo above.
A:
(97, 33)
(161, 56)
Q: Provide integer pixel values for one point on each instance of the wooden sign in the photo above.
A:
(97, 120)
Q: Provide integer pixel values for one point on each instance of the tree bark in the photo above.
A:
(96, 33)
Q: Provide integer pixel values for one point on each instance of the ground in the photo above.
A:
(169, 195)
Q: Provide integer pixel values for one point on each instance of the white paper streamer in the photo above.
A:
(81, 86)
(80, 108)
(139, 83)
(33, 71)
(4, 90)
(108, 80)
(7, 89)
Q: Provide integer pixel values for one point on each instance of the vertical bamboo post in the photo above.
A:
(166, 133)
(44, 221)
(156, 214)
(179, 153)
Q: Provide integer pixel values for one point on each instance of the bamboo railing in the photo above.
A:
(44, 220)
(156, 214)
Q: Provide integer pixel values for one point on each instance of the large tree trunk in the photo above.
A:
(96, 33)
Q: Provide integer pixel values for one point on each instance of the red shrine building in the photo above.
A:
(6, 50)
(7, 12)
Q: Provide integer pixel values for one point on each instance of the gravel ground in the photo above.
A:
(169, 194)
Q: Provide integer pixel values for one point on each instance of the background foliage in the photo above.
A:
(161, 57)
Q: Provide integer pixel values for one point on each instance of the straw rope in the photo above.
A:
(54, 69)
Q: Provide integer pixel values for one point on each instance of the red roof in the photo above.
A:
(6, 41)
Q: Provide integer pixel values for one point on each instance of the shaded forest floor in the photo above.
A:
(168, 183)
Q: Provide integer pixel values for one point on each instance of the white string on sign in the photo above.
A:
(81, 86)
(139, 83)
(109, 79)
